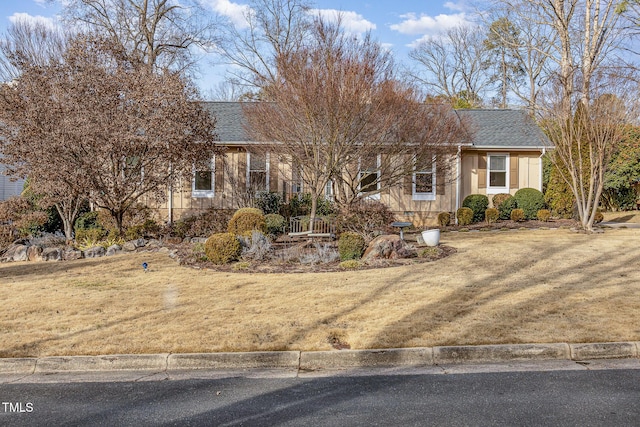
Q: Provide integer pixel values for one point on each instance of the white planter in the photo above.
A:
(431, 237)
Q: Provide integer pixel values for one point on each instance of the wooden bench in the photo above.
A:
(323, 227)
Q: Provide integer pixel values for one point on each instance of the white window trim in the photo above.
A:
(329, 195)
(423, 196)
(496, 190)
(248, 172)
(376, 194)
(203, 194)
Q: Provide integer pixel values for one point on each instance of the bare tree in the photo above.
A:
(273, 29)
(29, 43)
(454, 65)
(337, 103)
(94, 125)
(159, 33)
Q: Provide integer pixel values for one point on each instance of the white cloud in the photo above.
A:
(234, 11)
(22, 17)
(425, 24)
(458, 7)
(351, 21)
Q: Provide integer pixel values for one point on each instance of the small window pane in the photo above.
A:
(203, 181)
(258, 180)
(258, 162)
(498, 179)
(424, 183)
(368, 182)
(498, 163)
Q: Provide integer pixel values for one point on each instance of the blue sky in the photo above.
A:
(397, 24)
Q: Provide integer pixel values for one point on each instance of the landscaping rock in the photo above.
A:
(153, 244)
(16, 252)
(94, 252)
(113, 250)
(132, 245)
(71, 254)
(34, 253)
(173, 240)
(129, 246)
(199, 240)
(388, 246)
(52, 254)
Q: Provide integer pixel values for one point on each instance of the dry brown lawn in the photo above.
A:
(500, 287)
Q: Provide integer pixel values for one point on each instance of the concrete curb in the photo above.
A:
(318, 360)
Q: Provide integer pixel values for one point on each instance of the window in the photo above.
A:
(369, 175)
(498, 172)
(258, 171)
(328, 191)
(424, 180)
(203, 182)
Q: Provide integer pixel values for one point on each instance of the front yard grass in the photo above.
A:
(500, 287)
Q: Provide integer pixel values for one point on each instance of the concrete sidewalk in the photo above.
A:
(313, 361)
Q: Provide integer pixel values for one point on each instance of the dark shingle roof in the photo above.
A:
(230, 121)
(504, 128)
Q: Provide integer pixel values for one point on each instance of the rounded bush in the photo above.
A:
(350, 264)
(246, 220)
(491, 215)
(350, 246)
(478, 203)
(222, 248)
(444, 218)
(275, 224)
(499, 199)
(465, 216)
(598, 218)
(530, 201)
(508, 205)
(544, 215)
(517, 215)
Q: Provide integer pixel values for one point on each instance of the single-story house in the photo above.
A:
(504, 155)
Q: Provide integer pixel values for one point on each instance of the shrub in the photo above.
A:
(465, 216)
(275, 224)
(530, 201)
(222, 248)
(247, 219)
(499, 199)
(491, 215)
(350, 246)
(444, 218)
(517, 215)
(149, 228)
(203, 224)
(367, 218)
(350, 264)
(269, 203)
(544, 215)
(478, 203)
(322, 254)
(508, 205)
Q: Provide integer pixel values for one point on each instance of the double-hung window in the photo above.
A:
(498, 173)
(204, 181)
(424, 180)
(369, 175)
(258, 171)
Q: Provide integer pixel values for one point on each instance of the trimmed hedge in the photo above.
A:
(350, 246)
(444, 218)
(465, 216)
(544, 215)
(517, 215)
(222, 248)
(530, 201)
(246, 220)
(507, 206)
(491, 215)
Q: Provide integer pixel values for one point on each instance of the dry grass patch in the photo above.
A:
(501, 287)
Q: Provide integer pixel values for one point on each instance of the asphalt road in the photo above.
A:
(533, 398)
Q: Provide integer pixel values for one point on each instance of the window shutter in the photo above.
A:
(482, 171)
(513, 172)
(440, 177)
(273, 172)
(219, 174)
(242, 170)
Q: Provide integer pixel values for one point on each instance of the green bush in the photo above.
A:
(544, 215)
(246, 220)
(499, 199)
(509, 204)
(478, 203)
(491, 215)
(222, 248)
(530, 201)
(269, 203)
(275, 224)
(517, 215)
(350, 246)
(465, 216)
(444, 218)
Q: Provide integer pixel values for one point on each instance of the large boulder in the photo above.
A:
(388, 246)
(94, 252)
(16, 252)
(34, 253)
(71, 254)
(113, 250)
(52, 254)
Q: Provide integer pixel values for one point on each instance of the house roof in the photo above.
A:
(512, 129)
(504, 129)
